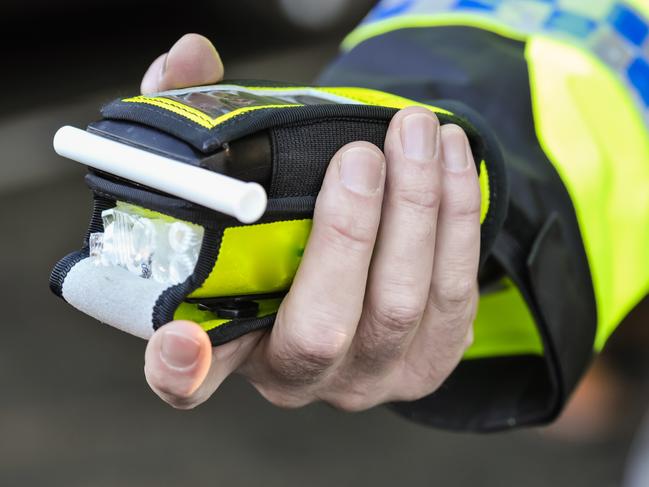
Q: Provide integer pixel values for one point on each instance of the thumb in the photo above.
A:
(191, 61)
(182, 368)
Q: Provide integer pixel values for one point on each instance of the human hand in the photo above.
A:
(382, 305)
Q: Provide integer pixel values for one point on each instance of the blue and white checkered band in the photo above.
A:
(613, 30)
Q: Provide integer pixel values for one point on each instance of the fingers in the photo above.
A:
(458, 245)
(446, 330)
(191, 61)
(403, 260)
(181, 368)
(382, 304)
(318, 318)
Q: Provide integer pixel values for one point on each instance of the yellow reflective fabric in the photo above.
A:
(484, 191)
(504, 326)
(589, 127)
(256, 259)
(494, 24)
(640, 5)
(145, 212)
(367, 31)
(380, 98)
(208, 320)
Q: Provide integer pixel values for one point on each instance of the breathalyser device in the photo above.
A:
(203, 198)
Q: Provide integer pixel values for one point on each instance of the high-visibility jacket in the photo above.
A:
(564, 85)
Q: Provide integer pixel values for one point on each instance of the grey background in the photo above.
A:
(75, 409)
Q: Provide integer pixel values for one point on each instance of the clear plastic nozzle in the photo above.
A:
(161, 249)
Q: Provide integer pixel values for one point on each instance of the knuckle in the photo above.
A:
(303, 360)
(325, 347)
(465, 205)
(347, 232)
(419, 197)
(397, 316)
(454, 292)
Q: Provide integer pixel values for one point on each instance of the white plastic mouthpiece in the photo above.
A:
(242, 200)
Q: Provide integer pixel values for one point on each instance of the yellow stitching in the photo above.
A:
(197, 116)
(178, 108)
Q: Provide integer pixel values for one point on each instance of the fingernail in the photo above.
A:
(178, 351)
(456, 150)
(419, 136)
(361, 170)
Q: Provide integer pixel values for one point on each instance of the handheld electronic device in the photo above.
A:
(203, 198)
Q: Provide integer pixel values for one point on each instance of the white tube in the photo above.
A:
(244, 201)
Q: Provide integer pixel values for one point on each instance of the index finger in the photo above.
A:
(318, 318)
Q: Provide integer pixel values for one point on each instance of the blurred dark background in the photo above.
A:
(75, 409)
